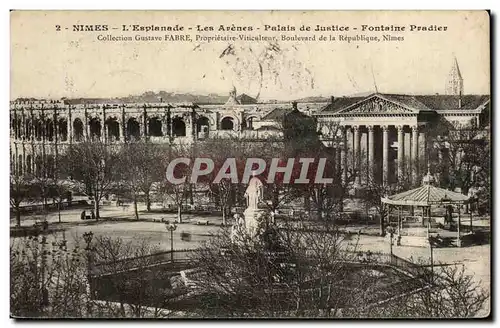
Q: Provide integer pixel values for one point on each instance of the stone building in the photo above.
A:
(387, 137)
(40, 130)
(384, 136)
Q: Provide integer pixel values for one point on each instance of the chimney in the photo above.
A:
(332, 99)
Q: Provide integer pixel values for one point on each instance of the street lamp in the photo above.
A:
(431, 242)
(390, 230)
(88, 236)
(171, 227)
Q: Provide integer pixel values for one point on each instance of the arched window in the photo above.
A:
(95, 128)
(202, 125)
(49, 130)
(154, 127)
(28, 164)
(178, 127)
(63, 129)
(227, 124)
(133, 129)
(50, 166)
(38, 166)
(38, 129)
(113, 128)
(28, 124)
(20, 165)
(78, 129)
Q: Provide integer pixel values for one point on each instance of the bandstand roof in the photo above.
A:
(426, 195)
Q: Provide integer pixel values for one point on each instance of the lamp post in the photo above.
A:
(431, 241)
(390, 230)
(171, 227)
(88, 236)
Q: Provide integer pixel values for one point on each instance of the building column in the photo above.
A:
(343, 153)
(385, 154)
(123, 129)
(70, 126)
(338, 157)
(104, 127)
(32, 134)
(401, 152)
(424, 154)
(356, 154)
(371, 153)
(414, 153)
(86, 125)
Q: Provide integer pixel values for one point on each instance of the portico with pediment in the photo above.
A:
(380, 139)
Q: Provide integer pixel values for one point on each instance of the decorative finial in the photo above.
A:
(428, 179)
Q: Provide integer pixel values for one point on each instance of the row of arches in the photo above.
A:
(39, 129)
(36, 165)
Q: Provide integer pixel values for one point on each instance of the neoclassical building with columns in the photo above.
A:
(384, 137)
(388, 137)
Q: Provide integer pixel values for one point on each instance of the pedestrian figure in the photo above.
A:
(92, 214)
(82, 215)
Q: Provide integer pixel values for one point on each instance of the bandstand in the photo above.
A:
(425, 197)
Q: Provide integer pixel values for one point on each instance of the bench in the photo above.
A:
(202, 222)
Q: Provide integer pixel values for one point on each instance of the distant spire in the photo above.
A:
(454, 82)
(456, 67)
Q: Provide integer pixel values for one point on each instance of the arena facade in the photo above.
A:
(384, 136)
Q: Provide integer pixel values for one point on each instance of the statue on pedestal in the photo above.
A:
(249, 224)
(253, 214)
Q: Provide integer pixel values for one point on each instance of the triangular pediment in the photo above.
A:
(377, 104)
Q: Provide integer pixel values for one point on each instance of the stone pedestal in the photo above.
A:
(253, 220)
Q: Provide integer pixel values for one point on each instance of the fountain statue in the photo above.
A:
(249, 224)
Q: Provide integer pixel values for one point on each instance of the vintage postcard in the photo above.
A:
(250, 164)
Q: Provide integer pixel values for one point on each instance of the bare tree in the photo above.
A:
(47, 279)
(94, 169)
(131, 278)
(177, 192)
(462, 154)
(142, 167)
(21, 190)
(284, 272)
(373, 194)
(450, 293)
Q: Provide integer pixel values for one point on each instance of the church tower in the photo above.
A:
(454, 83)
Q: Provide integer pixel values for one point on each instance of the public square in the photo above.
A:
(117, 222)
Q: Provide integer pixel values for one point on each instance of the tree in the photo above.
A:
(177, 192)
(94, 168)
(462, 153)
(142, 167)
(372, 196)
(282, 272)
(21, 190)
(46, 279)
(225, 190)
(135, 282)
(49, 280)
(451, 293)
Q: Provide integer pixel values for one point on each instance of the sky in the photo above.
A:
(46, 63)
